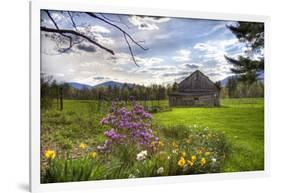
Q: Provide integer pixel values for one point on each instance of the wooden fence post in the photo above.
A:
(61, 99)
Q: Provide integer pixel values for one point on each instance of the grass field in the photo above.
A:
(242, 121)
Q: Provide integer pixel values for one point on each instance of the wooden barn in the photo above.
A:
(195, 90)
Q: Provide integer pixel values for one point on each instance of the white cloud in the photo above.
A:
(99, 29)
(183, 56)
(97, 32)
(215, 50)
(147, 23)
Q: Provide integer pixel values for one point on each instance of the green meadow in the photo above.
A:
(241, 121)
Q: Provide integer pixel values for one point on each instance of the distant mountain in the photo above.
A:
(79, 86)
(113, 84)
(260, 77)
(224, 81)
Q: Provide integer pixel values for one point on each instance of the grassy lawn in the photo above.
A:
(242, 120)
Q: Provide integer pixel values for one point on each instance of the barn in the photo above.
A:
(196, 90)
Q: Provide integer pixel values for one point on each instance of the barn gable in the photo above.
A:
(197, 81)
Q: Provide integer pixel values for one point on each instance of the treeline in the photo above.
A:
(238, 89)
(51, 90)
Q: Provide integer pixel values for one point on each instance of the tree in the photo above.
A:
(247, 67)
(231, 86)
(73, 36)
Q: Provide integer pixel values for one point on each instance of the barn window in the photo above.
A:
(196, 98)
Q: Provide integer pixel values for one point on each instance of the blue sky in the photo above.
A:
(176, 48)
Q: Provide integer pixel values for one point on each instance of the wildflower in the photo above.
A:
(207, 153)
(142, 155)
(214, 160)
(175, 145)
(132, 176)
(94, 155)
(50, 154)
(203, 161)
(183, 154)
(82, 146)
(168, 157)
(160, 170)
(175, 151)
(160, 144)
(190, 163)
(181, 162)
(193, 158)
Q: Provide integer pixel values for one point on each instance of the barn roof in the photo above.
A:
(196, 84)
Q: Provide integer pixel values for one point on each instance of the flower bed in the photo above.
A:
(133, 147)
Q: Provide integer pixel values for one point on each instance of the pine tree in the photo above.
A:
(246, 67)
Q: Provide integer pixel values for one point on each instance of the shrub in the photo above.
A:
(130, 131)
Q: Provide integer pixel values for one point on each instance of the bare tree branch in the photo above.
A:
(72, 21)
(120, 29)
(75, 32)
(115, 21)
(57, 27)
(130, 49)
(68, 31)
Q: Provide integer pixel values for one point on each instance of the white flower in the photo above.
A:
(175, 151)
(214, 159)
(142, 155)
(160, 170)
(132, 176)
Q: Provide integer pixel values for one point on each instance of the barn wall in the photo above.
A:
(205, 100)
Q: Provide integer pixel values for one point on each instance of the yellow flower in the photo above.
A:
(193, 158)
(207, 153)
(82, 146)
(94, 155)
(181, 162)
(175, 145)
(203, 161)
(50, 154)
(160, 144)
(190, 162)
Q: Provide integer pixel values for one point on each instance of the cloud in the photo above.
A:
(175, 74)
(98, 33)
(86, 47)
(99, 29)
(100, 78)
(192, 65)
(147, 23)
(183, 56)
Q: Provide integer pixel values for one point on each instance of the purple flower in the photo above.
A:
(128, 126)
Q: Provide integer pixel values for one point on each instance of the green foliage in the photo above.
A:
(238, 89)
(203, 144)
(247, 67)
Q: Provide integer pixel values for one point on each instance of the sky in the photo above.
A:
(176, 48)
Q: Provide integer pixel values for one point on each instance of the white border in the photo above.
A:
(81, 5)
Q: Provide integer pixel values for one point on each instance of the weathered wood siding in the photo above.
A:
(197, 81)
(195, 90)
(204, 100)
